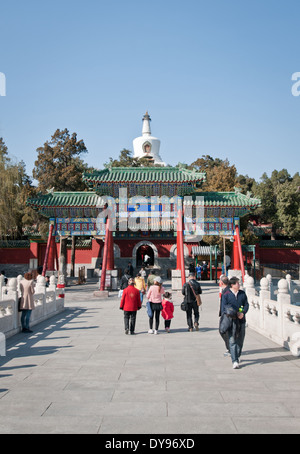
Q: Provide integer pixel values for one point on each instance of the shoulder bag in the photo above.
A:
(198, 298)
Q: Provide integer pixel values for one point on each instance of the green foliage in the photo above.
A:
(13, 181)
(126, 160)
(220, 175)
(59, 165)
(280, 198)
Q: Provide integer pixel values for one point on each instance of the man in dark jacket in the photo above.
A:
(235, 301)
(124, 279)
(224, 287)
(189, 290)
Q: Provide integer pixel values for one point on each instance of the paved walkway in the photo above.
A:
(79, 373)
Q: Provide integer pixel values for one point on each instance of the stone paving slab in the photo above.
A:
(79, 373)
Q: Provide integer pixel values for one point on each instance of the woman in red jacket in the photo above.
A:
(130, 303)
(168, 310)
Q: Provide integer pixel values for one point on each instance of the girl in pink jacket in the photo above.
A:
(168, 310)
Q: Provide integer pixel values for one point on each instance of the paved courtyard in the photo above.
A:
(79, 373)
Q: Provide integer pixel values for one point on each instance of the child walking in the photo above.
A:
(168, 310)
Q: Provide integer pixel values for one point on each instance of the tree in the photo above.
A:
(288, 207)
(4, 159)
(220, 175)
(13, 181)
(245, 183)
(126, 160)
(32, 220)
(280, 202)
(59, 165)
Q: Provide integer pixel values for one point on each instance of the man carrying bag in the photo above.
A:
(234, 306)
(192, 291)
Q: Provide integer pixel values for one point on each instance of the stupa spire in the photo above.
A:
(147, 146)
(146, 124)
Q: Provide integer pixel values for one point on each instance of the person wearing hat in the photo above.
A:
(130, 304)
(190, 289)
(150, 280)
(155, 295)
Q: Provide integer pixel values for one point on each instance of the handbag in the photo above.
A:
(120, 293)
(19, 304)
(183, 306)
(149, 310)
(198, 298)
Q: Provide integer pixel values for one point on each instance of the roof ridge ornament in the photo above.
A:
(237, 190)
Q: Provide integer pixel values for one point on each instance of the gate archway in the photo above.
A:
(140, 249)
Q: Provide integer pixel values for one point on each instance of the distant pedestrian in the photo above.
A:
(130, 269)
(224, 287)
(143, 272)
(154, 295)
(190, 289)
(139, 283)
(198, 272)
(147, 260)
(192, 267)
(235, 303)
(150, 280)
(168, 310)
(130, 304)
(204, 271)
(27, 301)
(124, 281)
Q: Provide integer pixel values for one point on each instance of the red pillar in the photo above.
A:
(48, 249)
(180, 252)
(235, 262)
(51, 257)
(110, 252)
(237, 234)
(105, 254)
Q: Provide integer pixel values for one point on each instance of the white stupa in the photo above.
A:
(147, 146)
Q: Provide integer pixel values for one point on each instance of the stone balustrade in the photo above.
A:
(47, 304)
(275, 313)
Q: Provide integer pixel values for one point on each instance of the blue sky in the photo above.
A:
(214, 75)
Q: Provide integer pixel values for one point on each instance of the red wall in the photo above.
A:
(14, 256)
(277, 255)
(22, 255)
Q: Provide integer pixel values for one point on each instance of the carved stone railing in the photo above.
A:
(48, 302)
(272, 313)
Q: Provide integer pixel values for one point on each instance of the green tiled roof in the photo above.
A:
(144, 175)
(92, 200)
(65, 199)
(235, 199)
